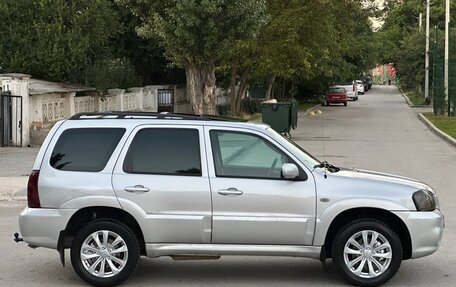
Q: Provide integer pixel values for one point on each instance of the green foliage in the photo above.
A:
(198, 31)
(146, 55)
(251, 106)
(55, 39)
(410, 61)
(223, 110)
(308, 44)
(311, 43)
(108, 74)
(399, 41)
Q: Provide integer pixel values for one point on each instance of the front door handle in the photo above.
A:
(136, 188)
(230, 192)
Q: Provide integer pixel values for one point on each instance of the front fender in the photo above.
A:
(329, 213)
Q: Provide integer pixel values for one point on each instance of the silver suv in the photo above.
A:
(116, 186)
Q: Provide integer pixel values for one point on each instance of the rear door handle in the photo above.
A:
(230, 192)
(136, 188)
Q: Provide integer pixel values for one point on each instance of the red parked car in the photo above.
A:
(336, 95)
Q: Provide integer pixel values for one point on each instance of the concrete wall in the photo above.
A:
(47, 109)
(41, 112)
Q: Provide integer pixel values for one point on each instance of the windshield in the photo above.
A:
(298, 151)
(336, 90)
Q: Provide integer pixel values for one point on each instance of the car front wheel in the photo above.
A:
(367, 252)
(104, 253)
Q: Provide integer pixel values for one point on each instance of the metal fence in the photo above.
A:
(443, 104)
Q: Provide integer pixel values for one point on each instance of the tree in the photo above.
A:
(146, 55)
(400, 42)
(55, 39)
(196, 35)
(303, 42)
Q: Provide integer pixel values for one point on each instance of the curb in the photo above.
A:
(409, 103)
(437, 131)
(407, 100)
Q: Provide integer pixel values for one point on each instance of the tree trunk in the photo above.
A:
(269, 89)
(201, 88)
(233, 91)
(241, 90)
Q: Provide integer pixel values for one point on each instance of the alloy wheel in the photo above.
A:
(367, 254)
(104, 253)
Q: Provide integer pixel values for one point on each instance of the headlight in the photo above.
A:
(424, 200)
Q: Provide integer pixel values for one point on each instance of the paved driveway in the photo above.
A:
(15, 166)
(378, 132)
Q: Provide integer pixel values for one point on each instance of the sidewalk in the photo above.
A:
(15, 166)
(13, 188)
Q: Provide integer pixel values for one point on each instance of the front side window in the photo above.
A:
(85, 149)
(166, 151)
(239, 154)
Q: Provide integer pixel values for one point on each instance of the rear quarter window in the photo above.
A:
(85, 149)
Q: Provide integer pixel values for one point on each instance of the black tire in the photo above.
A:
(372, 225)
(327, 103)
(345, 103)
(120, 229)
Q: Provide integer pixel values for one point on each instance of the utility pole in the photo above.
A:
(426, 67)
(421, 21)
(447, 42)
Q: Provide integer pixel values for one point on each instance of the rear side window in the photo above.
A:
(85, 149)
(164, 151)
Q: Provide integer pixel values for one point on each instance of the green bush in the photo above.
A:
(251, 106)
(224, 109)
(113, 73)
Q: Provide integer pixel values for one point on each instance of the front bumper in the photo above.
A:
(426, 230)
(42, 226)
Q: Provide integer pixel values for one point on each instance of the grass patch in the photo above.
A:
(307, 105)
(444, 123)
(252, 117)
(415, 98)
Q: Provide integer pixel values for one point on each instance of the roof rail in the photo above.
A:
(150, 115)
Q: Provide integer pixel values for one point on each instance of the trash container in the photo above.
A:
(278, 116)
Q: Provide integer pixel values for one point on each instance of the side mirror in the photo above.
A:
(290, 171)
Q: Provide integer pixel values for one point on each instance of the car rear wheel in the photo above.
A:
(345, 103)
(104, 253)
(367, 252)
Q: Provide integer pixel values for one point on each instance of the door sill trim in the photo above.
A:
(159, 249)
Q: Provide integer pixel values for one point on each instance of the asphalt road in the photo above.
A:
(379, 132)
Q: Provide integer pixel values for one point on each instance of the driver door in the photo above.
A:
(252, 203)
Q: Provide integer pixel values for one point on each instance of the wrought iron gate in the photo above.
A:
(10, 120)
(166, 100)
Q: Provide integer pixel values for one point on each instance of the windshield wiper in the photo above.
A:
(327, 165)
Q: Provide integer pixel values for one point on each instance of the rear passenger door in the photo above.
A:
(162, 173)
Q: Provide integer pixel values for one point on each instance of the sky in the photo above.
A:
(375, 22)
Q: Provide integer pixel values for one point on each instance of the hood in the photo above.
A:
(382, 177)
